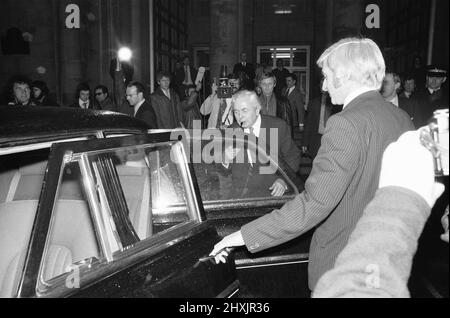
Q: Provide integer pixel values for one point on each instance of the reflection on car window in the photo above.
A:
(109, 200)
(241, 179)
(155, 188)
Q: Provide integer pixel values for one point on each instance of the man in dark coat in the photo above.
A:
(247, 68)
(142, 109)
(273, 104)
(166, 103)
(434, 97)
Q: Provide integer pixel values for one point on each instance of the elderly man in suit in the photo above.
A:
(141, 108)
(344, 176)
(247, 180)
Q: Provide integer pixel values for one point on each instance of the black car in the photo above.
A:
(72, 218)
(93, 205)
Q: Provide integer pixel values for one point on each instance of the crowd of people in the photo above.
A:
(359, 130)
(365, 196)
(176, 101)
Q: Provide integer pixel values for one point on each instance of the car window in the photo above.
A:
(111, 199)
(249, 176)
(72, 237)
(156, 187)
(21, 176)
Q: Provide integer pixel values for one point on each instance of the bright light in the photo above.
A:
(124, 54)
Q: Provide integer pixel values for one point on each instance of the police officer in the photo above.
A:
(435, 96)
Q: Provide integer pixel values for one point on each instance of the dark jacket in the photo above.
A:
(284, 111)
(249, 70)
(311, 137)
(248, 180)
(92, 105)
(298, 108)
(147, 114)
(46, 101)
(107, 104)
(425, 104)
(168, 111)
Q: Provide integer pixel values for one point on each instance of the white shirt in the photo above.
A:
(81, 103)
(432, 91)
(256, 127)
(394, 100)
(290, 90)
(256, 130)
(137, 106)
(166, 92)
(355, 94)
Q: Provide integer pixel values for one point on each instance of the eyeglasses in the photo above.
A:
(97, 94)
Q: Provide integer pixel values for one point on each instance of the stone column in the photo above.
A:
(225, 35)
(70, 53)
(348, 18)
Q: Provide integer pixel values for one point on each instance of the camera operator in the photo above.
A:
(218, 104)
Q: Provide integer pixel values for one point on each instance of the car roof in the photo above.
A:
(29, 124)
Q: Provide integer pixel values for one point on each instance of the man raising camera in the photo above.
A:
(218, 104)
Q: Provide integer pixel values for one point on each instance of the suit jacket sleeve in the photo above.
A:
(332, 172)
(386, 236)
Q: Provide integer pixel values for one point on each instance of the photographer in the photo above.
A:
(218, 106)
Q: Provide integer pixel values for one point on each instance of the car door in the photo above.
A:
(122, 217)
(230, 203)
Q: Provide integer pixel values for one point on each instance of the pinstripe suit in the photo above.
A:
(342, 182)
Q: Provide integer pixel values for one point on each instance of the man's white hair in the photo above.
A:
(250, 95)
(356, 59)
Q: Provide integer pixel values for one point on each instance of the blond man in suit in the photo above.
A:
(344, 176)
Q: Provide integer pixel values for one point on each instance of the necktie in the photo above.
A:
(85, 105)
(252, 131)
(186, 78)
(287, 92)
(222, 108)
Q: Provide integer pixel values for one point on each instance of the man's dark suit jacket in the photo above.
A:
(147, 114)
(246, 179)
(342, 182)
(311, 137)
(295, 99)
(284, 111)
(168, 111)
(247, 69)
(423, 104)
(92, 105)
